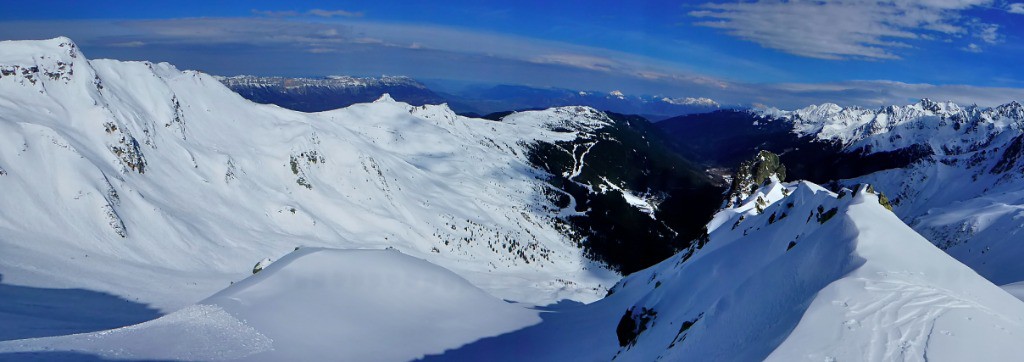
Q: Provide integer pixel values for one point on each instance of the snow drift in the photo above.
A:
(314, 304)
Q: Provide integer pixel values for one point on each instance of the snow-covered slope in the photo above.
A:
(314, 304)
(792, 273)
(814, 276)
(961, 186)
(161, 186)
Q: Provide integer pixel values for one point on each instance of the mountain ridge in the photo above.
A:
(951, 171)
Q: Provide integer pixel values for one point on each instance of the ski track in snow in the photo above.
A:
(904, 317)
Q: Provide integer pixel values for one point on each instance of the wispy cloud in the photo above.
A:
(972, 48)
(128, 44)
(282, 46)
(314, 12)
(988, 33)
(333, 13)
(578, 60)
(275, 14)
(1015, 8)
(843, 29)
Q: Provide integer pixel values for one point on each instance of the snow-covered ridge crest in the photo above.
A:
(803, 271)
(126, 165)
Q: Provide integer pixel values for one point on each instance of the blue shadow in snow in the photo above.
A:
(53, 357)
(28, 312)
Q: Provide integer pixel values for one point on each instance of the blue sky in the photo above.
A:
(783, 53)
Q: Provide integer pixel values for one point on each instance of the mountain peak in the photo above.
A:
(22, 52)
(385, 98)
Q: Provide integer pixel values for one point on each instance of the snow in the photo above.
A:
(691, 101)
(329, 82)
(1015, 289)
(314, 304)
(845, 291)
(966, 197)
(644, 205)
(199, 332)
(150, 186)
(162, 186)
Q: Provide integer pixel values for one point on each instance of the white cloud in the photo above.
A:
(287, 47)
(988, 33)
(128, 44)
(577, 60)
(972, 48)
(1015, 8)
(333, 13)
(843, 29)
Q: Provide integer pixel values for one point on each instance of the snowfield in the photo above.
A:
(769, 284)
(163, 186)
(315, 304)
(260, 233)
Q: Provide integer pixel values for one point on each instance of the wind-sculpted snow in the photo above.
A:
(793, 273)
(314, 305)
(198, 332)
(163, 186)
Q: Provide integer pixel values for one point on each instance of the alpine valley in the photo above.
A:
(150, 213)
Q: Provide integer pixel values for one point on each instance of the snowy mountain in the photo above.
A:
(327, 93)
(690, 101)
(490, 99)
(161, 186)
(214, 228)
(765, 283)
(952, 172)
(771, 283)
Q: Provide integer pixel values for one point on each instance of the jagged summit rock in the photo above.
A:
(752, 174)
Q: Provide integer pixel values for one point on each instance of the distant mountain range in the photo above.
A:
(327, 93)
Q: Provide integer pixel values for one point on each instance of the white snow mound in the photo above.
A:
(315, 305)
